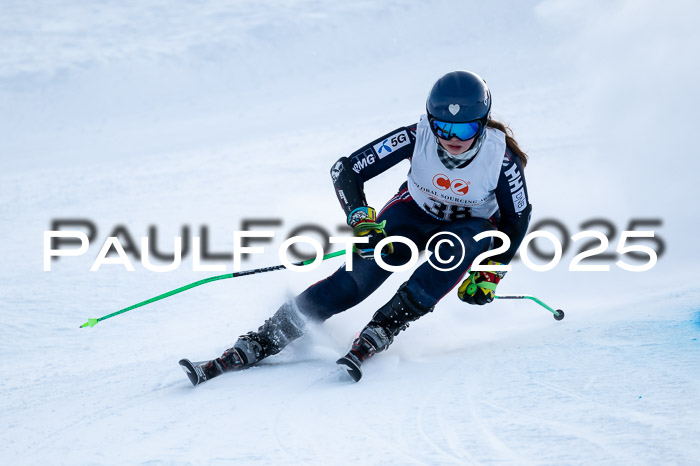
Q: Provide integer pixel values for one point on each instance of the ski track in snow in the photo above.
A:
(480, 405)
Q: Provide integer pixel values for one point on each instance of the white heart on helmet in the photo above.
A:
(453, 108)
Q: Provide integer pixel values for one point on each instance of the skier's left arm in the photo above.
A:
(514, 206)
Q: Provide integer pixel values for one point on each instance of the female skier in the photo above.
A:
(466, 177)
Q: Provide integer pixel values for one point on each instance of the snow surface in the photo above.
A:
(209, 113)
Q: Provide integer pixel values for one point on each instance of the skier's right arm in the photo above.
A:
(350, 173)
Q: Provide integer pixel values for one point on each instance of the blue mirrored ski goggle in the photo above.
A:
(463, 131)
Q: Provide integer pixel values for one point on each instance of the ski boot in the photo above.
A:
(379, 333)
(277, 332)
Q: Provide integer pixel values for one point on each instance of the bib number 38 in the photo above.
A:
(446, 211)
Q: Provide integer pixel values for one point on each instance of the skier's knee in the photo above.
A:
(328, 297)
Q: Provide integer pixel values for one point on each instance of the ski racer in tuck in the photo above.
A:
(466, 177)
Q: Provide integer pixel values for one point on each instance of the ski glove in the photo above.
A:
(480, 287)
(363, 221)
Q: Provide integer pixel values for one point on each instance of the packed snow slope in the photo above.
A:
(191, 114)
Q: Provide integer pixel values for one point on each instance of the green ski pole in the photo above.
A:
(93, 322)
(558, 313)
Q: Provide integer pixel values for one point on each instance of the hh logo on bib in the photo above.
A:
(458, 187)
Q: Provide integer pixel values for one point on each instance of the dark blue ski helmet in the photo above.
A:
(458, 97)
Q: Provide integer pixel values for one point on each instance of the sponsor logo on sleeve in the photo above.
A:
(515, 179)
(335, 171)
(519, 200)
(517, 190)
(366, 159)
(341, 196)
(392, 143)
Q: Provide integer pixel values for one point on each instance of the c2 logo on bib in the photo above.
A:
(459, 187)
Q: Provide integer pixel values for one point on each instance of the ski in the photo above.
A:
(200, 371)
(352, 365)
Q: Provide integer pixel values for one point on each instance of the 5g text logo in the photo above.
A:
(390, 144)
